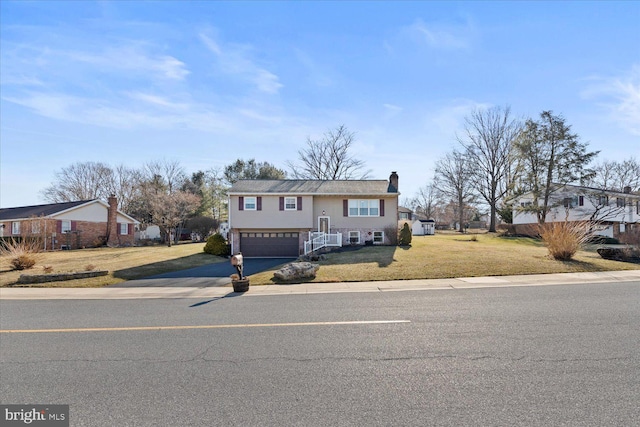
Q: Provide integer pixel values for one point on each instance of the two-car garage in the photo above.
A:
(270, 244)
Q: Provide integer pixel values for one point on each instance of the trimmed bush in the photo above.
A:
(405, 235)
(217, 245)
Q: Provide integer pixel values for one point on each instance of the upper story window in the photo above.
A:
(290, 204)
(366, 207)
(250, 203)
(65, 226)
(603, 200)
(15, 227)
(620, 202)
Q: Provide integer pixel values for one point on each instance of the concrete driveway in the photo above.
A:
(205, 276)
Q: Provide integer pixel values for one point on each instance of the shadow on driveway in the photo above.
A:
(204, 276)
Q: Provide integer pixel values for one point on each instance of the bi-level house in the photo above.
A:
(70, 225)
(614, 213)
(287, 218)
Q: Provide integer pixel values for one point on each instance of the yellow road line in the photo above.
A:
(169, 328)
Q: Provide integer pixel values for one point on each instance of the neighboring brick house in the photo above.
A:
(290, 217)
(614, 213)
(70, 225)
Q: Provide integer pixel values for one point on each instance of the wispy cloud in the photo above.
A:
(438, 36)
(317, 73)
(620, 96)
(236, 60)
(131, 58)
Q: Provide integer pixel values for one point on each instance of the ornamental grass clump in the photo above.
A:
(23, 253)
(564, 239)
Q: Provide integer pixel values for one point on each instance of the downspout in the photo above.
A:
(230, 226)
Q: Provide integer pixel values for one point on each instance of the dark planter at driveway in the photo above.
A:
(240, 285)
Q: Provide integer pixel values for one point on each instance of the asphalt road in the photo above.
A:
(526, 356)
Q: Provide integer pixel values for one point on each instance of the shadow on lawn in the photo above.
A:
(160, 267)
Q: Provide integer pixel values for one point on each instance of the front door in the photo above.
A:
(323, 224)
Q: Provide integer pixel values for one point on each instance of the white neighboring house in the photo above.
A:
(423, 227)
(151, 232)
(615, 212)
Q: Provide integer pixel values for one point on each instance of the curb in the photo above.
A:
(176, 292)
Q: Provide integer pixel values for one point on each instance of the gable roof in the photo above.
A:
(359, 187)
(581, 189)
(48, 210)
(24, 212)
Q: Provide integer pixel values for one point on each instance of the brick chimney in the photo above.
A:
(627, 190)
(393, 183)
(112, 221)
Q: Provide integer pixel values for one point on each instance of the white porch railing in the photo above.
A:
(318, 240)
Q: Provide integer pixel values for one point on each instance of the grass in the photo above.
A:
(122, 263)
(444, 255)
(448, 255)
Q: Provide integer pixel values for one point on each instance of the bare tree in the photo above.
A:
(80, 181)
(455, 182)
(171, 210)
(170, 174)
(426, 200)
(615, 176)
(329, 158)
(488, 139)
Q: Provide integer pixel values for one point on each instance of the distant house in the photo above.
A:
(614, 213)
(404, 214)
(292, 217)
(70, 225)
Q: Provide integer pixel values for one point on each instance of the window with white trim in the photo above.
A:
(364, 207)
(124, 228)
(65, 226)
(378, 237)
(354, 237)
(290, 203)
(15, 227)
(250, 204)
(35, 227)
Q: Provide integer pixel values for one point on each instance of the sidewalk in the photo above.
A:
(182, 291)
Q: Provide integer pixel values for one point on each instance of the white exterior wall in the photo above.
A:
(94, 212)
(417, 229)
(581, 213)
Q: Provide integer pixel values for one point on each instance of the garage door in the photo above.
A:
(269, 244)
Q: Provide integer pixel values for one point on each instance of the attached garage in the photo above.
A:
(270, 244)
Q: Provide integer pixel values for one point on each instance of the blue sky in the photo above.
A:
(205, 83)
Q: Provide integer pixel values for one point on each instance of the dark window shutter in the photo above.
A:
(345, 207)
(281, 203)
(259, 203)
(130, 229)
(241, 203)
(381, 207)
(299, 203)
(73, 225)
(58, 227)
